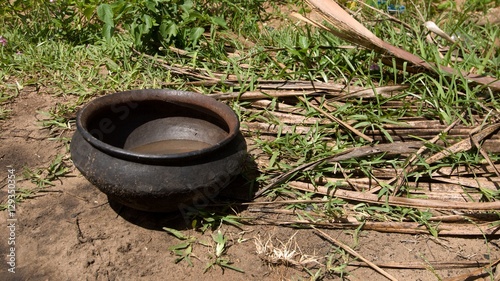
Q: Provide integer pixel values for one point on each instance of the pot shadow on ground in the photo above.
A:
(241, 189)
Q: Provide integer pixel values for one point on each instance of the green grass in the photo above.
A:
(69, 57)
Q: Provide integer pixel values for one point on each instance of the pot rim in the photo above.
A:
(221, 110)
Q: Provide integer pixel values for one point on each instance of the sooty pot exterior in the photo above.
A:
(158, 187)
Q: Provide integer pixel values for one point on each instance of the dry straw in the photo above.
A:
(347, 28)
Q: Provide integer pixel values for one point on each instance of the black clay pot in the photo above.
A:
(158, 150)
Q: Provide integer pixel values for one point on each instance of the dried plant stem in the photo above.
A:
(399, 179)
(453, 229)
(253, 95)
(354, 253)
(425, 266)
(470, 275)
(335, 119)
(464, 145)
(397, 201)
(478, 146)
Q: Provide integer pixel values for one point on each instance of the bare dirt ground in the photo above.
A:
(71, 232)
